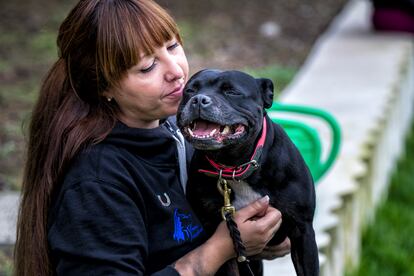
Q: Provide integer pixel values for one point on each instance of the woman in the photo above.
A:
(102, 192)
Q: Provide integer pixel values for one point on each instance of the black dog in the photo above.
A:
(223, 116)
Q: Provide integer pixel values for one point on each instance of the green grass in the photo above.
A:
(388, 244)
(281, 76)
(25, 55)
(194, 36)
(27, 50)
(6, 265)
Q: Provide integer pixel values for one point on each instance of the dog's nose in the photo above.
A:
(201, 100)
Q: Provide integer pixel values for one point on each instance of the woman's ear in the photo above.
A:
(108, 95)
(266, 89)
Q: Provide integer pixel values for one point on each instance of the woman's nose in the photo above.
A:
(173, 70)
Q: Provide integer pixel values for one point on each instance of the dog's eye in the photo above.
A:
(189, 91)
(231, 92)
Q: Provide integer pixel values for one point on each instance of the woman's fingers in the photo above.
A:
(274, 251)
(271, 220)
(257, 223)
(257, 208)
(282, 249)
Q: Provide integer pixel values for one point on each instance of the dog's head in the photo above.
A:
(222, 108)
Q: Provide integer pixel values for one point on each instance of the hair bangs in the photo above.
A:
(139, 27)
(157, 28)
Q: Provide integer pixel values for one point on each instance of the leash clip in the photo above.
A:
(227, 212)
(227, 208)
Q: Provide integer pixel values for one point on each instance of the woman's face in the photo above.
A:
(152, 89)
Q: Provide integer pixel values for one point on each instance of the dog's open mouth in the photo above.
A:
(206, 130)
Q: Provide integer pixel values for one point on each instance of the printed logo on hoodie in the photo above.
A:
(184, 230)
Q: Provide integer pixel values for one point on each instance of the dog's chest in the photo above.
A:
(243, 194)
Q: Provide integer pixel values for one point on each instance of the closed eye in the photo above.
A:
(231, 92)
(149, 68)
(173, 46)
(189, 91)
(228, 89)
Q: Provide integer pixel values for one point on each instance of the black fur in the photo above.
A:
(233, 97)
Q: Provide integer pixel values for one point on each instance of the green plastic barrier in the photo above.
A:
(306, 137)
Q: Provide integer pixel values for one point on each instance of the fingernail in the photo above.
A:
(264, 199)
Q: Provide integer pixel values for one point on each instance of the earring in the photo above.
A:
(109, 99)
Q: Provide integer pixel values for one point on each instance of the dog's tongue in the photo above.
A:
(204, 127)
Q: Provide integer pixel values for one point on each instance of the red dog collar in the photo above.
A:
(244, 170)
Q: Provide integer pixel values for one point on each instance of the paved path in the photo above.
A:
(353, 73)
(8, 214)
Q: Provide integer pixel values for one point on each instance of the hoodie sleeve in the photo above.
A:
(97, 228)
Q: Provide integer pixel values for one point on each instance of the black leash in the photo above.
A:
(238, 244)
(227, 212)
(236, 173)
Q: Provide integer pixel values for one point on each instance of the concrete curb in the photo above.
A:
(8, 215)
(365, 80)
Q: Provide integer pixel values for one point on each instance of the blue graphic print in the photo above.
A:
(183, 227)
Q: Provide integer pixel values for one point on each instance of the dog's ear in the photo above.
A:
(266, 88)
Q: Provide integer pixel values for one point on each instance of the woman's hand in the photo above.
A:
(257, 223)
(271, 252)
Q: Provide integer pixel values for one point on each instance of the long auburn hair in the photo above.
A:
(97, 42)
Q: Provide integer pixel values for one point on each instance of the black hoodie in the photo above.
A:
(121, 209)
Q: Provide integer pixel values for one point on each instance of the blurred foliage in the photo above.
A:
(28, 31)
(281, 76)
(6, 263)
(388, 245)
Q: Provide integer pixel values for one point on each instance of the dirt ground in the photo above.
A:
(230, 34)
(245, 33)
(217, 33)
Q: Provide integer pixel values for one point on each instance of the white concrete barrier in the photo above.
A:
(365, 80)
(8, 214)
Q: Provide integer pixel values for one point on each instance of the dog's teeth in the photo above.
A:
(226, 130)
(212, 132)
(190, 131)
